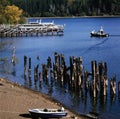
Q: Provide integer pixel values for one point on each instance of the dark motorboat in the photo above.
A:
(100, 33)
(48, 113)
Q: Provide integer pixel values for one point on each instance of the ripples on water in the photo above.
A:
(75, 42)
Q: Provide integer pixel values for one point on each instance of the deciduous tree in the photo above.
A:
(13, 14)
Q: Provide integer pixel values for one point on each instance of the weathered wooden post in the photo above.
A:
(29, 68)
(45, 72)
(94, 78)
(105, 85)
(57, 59)
(80, 72)
(74, 73)
(71, 70)
(40, 79)
(119, 88)
(36, 72)
(63, 68)
(86, 80)
(49, 64)
(55, 71)
(62, 60)
(62, 73)
(113, 86)
(25, 64)
(51, 74)
(103, 78)
(13, 55)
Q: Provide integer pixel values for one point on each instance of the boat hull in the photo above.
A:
(99, 35)
(58, 114)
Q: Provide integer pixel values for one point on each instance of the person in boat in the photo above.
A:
(101, 30)
(62, 109)
(100, 33)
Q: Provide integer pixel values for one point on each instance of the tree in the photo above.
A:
(13, 14)
(42, 8)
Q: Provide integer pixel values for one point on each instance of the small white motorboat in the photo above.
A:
(48, 113)
(100, 33)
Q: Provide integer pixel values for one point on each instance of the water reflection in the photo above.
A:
(13, 70)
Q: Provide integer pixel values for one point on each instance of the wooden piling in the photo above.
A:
(57, 59)
(86, 83)
(74, 76)
(29, 68)
(80, 72)
(103, 78)
(29, 63)
(119, 88)
(36, 72)
(94, 77)
(49, 63)
(71, 70)
(13, 55)
(25, 64)
(113, 86)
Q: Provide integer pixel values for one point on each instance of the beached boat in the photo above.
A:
(100, 33)
(48, 113)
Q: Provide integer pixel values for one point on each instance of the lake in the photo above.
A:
(76, 41)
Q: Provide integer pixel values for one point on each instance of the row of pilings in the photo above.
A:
(75, 75)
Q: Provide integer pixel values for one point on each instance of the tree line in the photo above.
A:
(62, 8)
(46, 8)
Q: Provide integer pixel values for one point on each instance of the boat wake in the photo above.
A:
(95, 45)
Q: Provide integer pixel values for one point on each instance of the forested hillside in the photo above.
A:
(55, 8)
(68, 7)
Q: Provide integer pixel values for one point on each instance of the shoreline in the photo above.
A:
(15, 100)
(105, 16)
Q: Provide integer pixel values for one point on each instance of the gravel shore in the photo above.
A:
(15, 101)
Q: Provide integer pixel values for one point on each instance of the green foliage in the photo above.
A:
(22, 20)
(53, 8)
(2, 19)
(13, 14)
(10, 13)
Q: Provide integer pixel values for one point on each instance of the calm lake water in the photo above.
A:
(76, 41)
